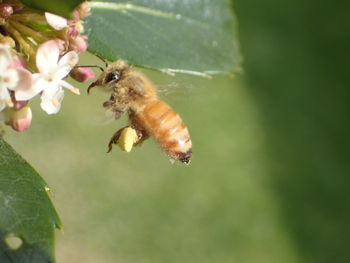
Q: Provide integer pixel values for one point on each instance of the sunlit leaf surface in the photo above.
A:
(195, 37)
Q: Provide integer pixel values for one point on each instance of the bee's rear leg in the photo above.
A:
(142, 136)
(127, 138)
(114, 139)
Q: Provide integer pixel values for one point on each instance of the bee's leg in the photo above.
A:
(108, 104)
(118, 109)
(129, 137)
(111, 103)
(142, 136)
(114, 139)
(117, 113)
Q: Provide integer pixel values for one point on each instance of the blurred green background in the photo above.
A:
(270, 172)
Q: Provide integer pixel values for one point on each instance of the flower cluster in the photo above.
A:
(38, 50)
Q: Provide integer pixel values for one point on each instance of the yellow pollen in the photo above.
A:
(127, 139)
(75, 91)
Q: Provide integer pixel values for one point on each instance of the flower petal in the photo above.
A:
(25, 80)
(71, 58)
(5, 58)
(62, 72)
(47, 56)
(37, 86)
(10, 78)
(51, 102)
(65, 65)
(55, 21)
(70, 87)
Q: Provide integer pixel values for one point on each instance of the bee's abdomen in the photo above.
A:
(168, 129)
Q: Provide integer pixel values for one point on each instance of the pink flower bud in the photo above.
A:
(76, 16)
(5, 10)
(82, 74)
(79, 44)
(20, 120)
(72, 32)
(84, 9)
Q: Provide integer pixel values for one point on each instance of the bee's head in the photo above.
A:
(112, 74)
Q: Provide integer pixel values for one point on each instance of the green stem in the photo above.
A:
(29, 18)
(28, 31)
(25, 45)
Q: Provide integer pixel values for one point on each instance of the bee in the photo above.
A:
(134, 94)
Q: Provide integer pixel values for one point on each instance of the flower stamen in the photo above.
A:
(75, 91)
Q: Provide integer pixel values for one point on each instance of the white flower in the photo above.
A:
(11, 79)
(55, 21)
(49, 80)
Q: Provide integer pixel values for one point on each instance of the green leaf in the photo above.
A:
(27, 216)
(59, 7)
(196, 37)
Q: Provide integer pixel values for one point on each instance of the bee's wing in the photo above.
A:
(104, 118)
(108, 118)
(175, 90)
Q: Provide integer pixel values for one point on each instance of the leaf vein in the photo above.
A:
(122, 7)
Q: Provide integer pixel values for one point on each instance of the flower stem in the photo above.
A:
(29, 18)
(25, 45)
(28, 31)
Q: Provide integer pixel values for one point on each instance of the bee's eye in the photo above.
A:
(112, 76)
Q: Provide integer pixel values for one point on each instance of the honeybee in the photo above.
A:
(133, 93)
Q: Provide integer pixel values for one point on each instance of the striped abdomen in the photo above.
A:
(168, 129)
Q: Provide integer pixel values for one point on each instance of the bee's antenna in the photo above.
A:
(104, 61)
(90, 66)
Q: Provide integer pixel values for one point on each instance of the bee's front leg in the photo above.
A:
(115, 106)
